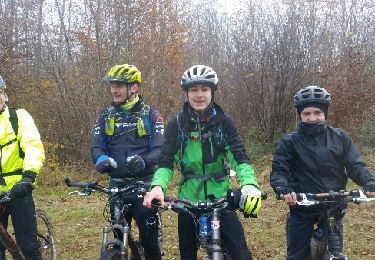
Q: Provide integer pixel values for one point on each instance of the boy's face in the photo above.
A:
(122, 92)
(199, 97)
(3, 98)
(312, 115)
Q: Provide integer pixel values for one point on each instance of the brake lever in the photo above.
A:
(360, 196)
(306, 202)
(86, 193)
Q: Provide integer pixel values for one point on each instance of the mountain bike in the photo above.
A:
(325, 242)
(45, 234)
(114, 247)
(208, 224)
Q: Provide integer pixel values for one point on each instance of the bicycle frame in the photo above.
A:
(118, 224)
(332, 246)
(121, 226)
(213, 246)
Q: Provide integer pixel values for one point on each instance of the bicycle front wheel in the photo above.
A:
(45, 235)
(111, 250)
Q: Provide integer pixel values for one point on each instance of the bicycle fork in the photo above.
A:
(215, 247)
(124, 231)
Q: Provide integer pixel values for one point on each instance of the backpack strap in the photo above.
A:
(183, 138)
(13, 118)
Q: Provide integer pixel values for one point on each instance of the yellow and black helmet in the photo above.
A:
(124, 73)
(2, 83)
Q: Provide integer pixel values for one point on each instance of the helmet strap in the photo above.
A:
(127, 94)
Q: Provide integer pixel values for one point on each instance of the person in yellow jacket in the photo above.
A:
(21, 160)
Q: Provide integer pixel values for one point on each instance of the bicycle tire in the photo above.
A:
(10, 244)
(112, 254)
(45, 235)
(111, 250)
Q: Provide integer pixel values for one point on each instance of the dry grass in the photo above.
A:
(78, 221)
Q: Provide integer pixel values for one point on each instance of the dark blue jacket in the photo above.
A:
(318, 164)
(125, 141)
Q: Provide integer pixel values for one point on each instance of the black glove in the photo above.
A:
(369, 187)
(136, 164)
(23, 187)
(282, 190)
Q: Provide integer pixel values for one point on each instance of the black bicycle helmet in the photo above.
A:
(312, 94)
(199, 74)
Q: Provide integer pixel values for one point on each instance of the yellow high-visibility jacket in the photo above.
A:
(28, 139)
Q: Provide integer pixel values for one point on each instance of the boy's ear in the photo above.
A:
(6, 98)
(134, 88)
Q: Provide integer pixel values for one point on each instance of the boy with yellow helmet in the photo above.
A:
(127, 142)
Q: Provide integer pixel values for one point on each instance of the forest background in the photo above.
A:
(54, 53)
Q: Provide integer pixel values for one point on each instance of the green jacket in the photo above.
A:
(28, 139)
(201, 160)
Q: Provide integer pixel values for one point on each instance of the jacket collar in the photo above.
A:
(216, 117)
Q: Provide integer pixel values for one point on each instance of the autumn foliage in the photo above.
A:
(54, 54)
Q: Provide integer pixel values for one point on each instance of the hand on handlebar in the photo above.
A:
(155, 193)
(251, 200)
(286, 194)
(290, 198)
(369, 189)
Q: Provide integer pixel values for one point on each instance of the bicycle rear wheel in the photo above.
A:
(45, 235)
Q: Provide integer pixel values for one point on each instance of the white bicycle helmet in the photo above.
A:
(199, 74)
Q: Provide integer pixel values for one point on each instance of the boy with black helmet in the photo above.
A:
(199, 139)
(315, 158)
(127, 142)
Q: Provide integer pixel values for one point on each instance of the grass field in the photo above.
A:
(78, 222)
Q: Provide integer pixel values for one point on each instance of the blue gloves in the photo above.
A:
(105, 164)
(136, 164)
(24, 186)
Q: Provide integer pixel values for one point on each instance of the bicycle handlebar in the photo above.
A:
(180, 204)
(310, 199)
(176, 203)
(89, 187)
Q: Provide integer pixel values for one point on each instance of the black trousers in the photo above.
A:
(22, 212)
(232, 234)
(300, 230)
